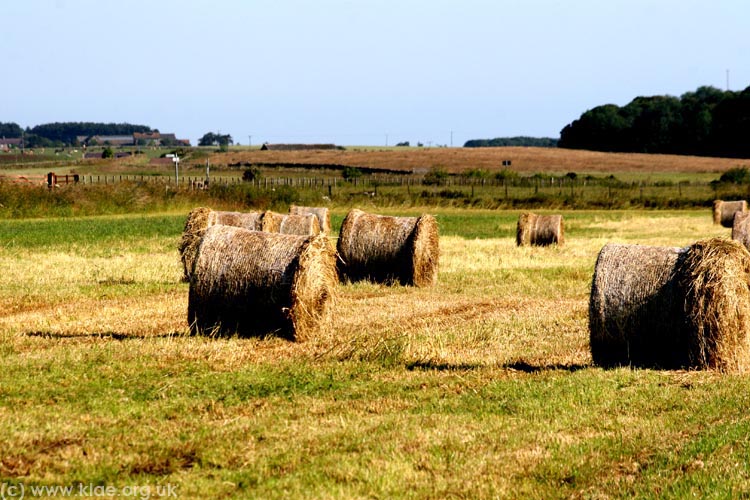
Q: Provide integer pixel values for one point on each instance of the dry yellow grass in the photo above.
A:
(494, 304)
(456, 160)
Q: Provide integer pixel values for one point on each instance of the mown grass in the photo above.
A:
(479, 388)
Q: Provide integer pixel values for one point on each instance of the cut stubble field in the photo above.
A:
(480, 387)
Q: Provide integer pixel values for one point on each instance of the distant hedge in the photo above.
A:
(539, 142)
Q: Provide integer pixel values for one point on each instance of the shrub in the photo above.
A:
(436, 176)
(738, 175)
(251, 174)
(350, 173)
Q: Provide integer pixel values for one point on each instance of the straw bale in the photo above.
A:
(539, 230)
(672, 307)
(386, 249)
(324, 218)
(256, 283)
(741, 228)
(723, 211)
(201, 218)
(301, 225)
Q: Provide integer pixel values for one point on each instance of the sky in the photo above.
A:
(359, 72)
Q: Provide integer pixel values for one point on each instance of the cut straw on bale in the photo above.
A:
(201, 218)
(253, 283)
(661, 307)
(301, 225)
(387, 249)
(724, 211)
(741, 228)
(539, 230)
(324, 218)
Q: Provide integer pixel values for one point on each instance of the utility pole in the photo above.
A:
(249, 140)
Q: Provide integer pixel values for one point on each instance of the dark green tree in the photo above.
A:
(211, 139)
(10, 130)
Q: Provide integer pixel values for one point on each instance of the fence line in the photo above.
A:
(561, 185)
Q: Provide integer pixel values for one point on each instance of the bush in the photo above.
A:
(436, 176)
(506, 174)
(251, 174)
(738, 175)
(350, 173)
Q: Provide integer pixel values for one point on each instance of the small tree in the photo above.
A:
(436, 176)
(251, 174)
(108, 153)
(351, 173)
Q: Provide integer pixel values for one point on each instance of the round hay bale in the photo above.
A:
(387, 249)
(723, 211)
(301, 225)
(324, 218)
(201, 218)
(741, 228)
(662, 307)
(254, 283)
(539, 230)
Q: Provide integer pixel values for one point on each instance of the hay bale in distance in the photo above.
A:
(539, 230)
(672, 307)
(723, 211)
(741, 228)
(387, 249)
(255, 283)
(324, 218)
(201, 218)
(301, 225)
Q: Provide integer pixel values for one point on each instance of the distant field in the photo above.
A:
(525, 161)
(456, 160)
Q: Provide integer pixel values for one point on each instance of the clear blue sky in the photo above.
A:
(359, 71)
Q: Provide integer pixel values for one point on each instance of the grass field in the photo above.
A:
(479, 388)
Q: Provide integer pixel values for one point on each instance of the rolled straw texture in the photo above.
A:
(301, 225)
(201, 218)
(741, 228)
(324, 217)
(723, 211)
(539, 230)
(386, 249)
(256, 283)
(664, 307)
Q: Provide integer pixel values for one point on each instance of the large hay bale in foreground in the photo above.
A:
(539, 230)
(672, 307)
(255, 283)
(741, 228)
(324, 218)
(724, 211)
(387, 249)
(301, 225)
(201, 218)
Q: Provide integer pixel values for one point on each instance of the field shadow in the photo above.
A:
(521, 366)
(443, 367)
(102, 335)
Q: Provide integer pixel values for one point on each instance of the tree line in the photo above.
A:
(539, 142)
(66, 133)
(707, 122)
